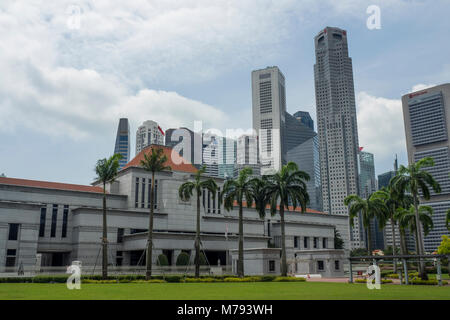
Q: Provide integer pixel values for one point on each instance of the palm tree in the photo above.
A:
(185, 192)
(106, 170)
(415, 180)
(373, 207)
(392, 202)
(407, 219)
(154, 162)
(238, 189)
(288, 186)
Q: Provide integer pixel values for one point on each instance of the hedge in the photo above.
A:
(182, 259)
(431, 282)
(383, 281)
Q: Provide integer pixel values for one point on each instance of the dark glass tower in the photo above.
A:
(123, 141)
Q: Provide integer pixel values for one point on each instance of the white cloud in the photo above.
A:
(421, 86)
(381, 128)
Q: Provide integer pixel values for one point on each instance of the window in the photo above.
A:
(295, 242)
(10, 258)
(155, 194)
(42, 222)
(54, 219)
(13, 231)
(119, 257)
(305, 242)
(336, 264)
(136, 194)
(316, 242)
(120, 233)
(209, 202)
(320, 265)
(271, 265)
(64, 224)
(143, 194)
(324, 243)
(218, 202)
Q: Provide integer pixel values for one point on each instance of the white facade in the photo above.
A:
(148, 133)
(269, 107)
(63, 222)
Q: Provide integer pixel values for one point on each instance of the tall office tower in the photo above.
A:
(227, 157)
(123, 141)
(269, 107)
(247, 155)
(305, 118)
(336, 125)
(301, 145)
(426, 114)
(384, 178)
(186, 143)
(148, 133)
(367, 185)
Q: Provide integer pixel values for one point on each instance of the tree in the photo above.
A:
(185, 192)
(444, 248)
(236, 190)
(417, 181)
(288, 186)
(392, 201)
(373, 207)
(338, 241)
(359, 252)
(407, 219)
(153, 162)
(106, 170)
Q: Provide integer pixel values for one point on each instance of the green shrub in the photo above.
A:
(173, 278)
(182, 259)
(430, 282)
(205, 280)
(50, 279)
(383, 281)
(149, 281)
(267, 278)
(203, 261)
(288, 279)
(162, 260)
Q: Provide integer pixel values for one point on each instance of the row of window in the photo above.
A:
(306, 242)
(143, 193)
(54, 221)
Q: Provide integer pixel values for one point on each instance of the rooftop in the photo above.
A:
(49, 185)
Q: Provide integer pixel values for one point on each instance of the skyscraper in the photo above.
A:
(247, 155)
(219, 155)
(426, 114)
(305, 118)
(269, 107)
(336, 125)
(123, 141)
(301, 145)
(148, 133)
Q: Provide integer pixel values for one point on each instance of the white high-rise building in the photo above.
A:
(269, 107)
(337, 126)
(148, 133)
(247, 154)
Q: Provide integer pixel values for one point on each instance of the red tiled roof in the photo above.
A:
(289, 208)
(184, 167)
(50, 185)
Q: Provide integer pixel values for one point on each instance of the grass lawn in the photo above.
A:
(220, 291)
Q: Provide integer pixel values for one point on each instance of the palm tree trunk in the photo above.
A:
(104, 239)
(197, 240)
(422, 271)
(403, 242)
(148, 272)
(394, 245)
(241, 242)
(369, 239)
(283, 242)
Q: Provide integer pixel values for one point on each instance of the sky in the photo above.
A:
(70, 69)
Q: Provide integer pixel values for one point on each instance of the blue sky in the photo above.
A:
(63, 89)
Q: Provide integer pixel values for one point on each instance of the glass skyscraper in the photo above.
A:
(123, 142)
